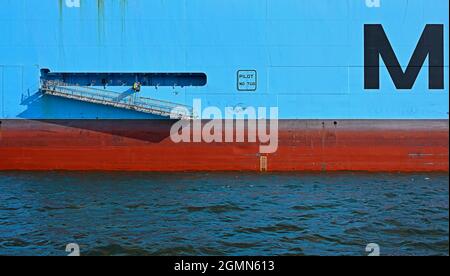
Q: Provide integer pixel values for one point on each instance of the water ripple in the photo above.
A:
(223, 213)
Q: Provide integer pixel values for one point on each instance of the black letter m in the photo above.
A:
(431, 45)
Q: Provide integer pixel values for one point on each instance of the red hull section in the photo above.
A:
(145, 145)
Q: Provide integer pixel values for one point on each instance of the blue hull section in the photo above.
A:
(304, 56)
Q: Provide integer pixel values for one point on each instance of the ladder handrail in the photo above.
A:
(160, 110)
(75, 87)
(113, 98)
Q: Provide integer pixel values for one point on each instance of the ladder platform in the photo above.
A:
(115, 99)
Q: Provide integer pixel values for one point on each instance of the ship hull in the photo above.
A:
(146, 145)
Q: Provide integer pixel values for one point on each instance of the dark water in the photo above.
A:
(223, 214)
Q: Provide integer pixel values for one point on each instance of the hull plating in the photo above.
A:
(304, 145)
(313, 59)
